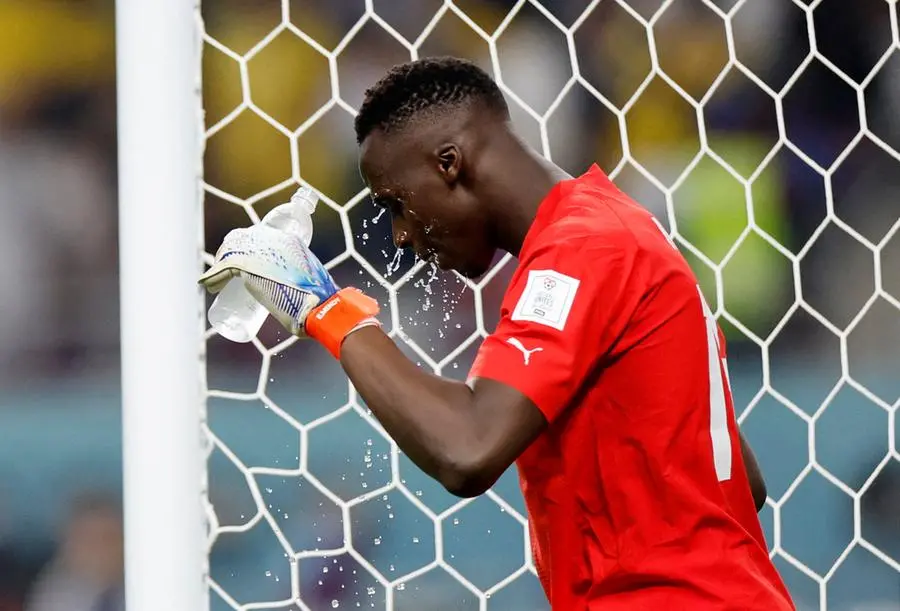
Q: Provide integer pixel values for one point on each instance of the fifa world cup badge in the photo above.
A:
(542, 302)
(547, 298)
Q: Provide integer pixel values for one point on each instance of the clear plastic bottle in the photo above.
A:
(235, 314)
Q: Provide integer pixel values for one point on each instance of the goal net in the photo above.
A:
(760, 132)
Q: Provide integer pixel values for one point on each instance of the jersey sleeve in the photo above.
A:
(568, 304)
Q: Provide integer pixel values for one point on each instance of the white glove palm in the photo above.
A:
(277, 268)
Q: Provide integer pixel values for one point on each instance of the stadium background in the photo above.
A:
(60, 438)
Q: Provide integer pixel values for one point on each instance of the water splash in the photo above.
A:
(394, 264)
(425, 284)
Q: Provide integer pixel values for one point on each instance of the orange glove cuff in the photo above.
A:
(332, 320)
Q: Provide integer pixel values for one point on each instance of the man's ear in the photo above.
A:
(449, 159)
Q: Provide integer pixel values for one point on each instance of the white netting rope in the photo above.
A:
(394, 583)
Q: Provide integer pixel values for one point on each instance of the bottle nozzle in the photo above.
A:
(306, 198)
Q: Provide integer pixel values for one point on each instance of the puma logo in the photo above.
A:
(514, 341)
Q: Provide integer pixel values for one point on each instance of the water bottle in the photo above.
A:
(235, 314)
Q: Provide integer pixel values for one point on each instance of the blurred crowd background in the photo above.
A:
(60, 444)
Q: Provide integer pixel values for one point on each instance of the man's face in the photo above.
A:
(432, 213)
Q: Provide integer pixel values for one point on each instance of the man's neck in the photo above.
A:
(517, 192)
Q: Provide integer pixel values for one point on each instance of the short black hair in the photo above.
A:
(425, 84)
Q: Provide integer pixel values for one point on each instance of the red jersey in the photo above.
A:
(637, 494)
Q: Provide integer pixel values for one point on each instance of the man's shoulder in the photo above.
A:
(597, 216)
(577, 250)
(584, 221)
(596, 230)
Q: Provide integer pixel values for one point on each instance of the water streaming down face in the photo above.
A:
(426, 300)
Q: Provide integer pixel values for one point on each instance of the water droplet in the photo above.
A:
(401, 586)
(394, 264)
(455, 521)
(377, 541)
(268, 573)
(335, 604)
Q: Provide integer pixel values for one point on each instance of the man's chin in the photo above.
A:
(466, 269)
(472, 272)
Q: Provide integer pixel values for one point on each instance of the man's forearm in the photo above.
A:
(754, 475)
(432, 419)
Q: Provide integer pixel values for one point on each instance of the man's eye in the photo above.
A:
(394, 206)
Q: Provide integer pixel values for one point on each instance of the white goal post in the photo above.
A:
(160, 132)
(338, 496)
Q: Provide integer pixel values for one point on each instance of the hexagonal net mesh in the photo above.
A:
(760, 133)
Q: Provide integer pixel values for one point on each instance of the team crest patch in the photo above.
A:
(547, 298)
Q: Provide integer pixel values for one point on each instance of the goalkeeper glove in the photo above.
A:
(283, 275)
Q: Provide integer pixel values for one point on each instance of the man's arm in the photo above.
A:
(557, 321)
(464, 438)
(757, 484)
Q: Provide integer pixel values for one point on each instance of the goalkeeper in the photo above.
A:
(604, 380)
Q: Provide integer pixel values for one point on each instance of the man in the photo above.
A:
(604, 381)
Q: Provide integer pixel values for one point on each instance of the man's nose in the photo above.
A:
(401, 235)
